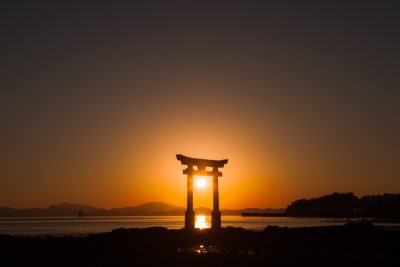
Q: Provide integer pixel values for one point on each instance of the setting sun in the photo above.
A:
(201, 182)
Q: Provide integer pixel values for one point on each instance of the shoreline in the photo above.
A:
(355, 243)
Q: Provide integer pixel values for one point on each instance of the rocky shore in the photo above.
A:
(355, 244)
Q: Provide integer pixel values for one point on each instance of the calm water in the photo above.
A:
(86, 225)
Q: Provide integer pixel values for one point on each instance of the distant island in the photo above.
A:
(146, 209)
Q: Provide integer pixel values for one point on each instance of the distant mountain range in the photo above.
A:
(343, 205)
(150, 208)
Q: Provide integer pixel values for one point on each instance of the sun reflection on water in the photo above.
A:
(218, 250)
(201, 222)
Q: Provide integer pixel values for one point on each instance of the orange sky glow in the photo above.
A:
(97, 99)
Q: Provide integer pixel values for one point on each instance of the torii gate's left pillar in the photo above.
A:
(189, 214)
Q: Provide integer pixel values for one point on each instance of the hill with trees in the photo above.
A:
(386, 206)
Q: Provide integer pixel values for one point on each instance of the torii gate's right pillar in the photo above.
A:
(216, 213)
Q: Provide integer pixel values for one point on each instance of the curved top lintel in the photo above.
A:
(201, 162)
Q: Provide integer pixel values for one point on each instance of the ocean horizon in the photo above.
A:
(64, 226)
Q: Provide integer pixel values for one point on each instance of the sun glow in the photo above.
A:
(201, 182)
(201, 222)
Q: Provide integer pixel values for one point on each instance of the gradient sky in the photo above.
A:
(97, 97)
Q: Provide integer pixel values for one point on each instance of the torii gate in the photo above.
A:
(200, 169)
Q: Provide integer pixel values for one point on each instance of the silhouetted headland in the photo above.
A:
(341, 205)
(347, 205)
(355, 244)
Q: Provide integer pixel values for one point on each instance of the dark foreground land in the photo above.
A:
(360, 244)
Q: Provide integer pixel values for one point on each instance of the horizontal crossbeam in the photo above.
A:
(202, 173)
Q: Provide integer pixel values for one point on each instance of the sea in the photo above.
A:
(66, 226)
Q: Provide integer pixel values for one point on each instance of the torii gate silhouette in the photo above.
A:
(198, 167)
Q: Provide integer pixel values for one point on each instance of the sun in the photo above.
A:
(201, 182)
